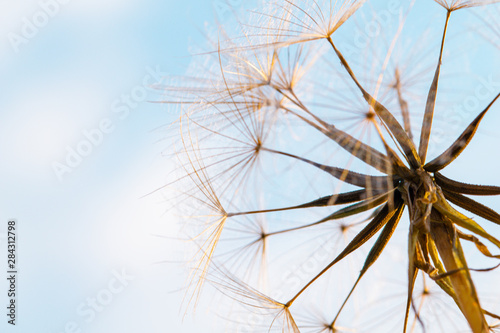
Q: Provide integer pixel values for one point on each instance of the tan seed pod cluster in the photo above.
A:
(302, 162)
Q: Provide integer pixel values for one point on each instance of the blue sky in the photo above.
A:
(87, 66)
(79, 85)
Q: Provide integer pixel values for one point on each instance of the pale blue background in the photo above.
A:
(74, 233)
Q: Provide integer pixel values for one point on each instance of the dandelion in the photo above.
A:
(452, 5)
(282, 137)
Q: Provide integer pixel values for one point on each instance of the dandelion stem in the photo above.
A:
(431, 101)
(460, 144)
(391, 122)
(403, 104)
(337, 199)
(362, 237)
(347, 176)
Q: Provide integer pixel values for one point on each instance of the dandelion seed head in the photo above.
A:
(302, 161)
(453, 5)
